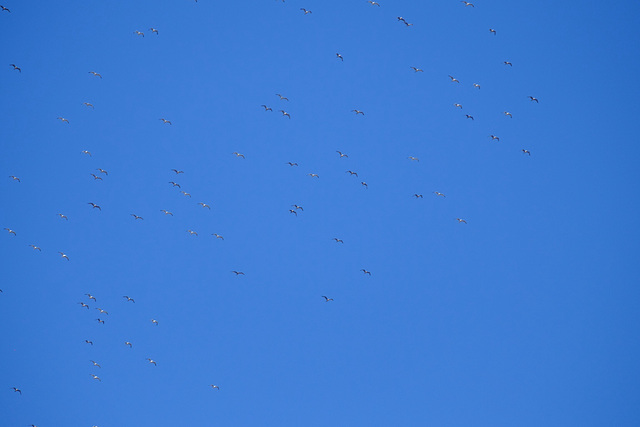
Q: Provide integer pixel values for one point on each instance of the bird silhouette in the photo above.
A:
(218, 236)
(129, 344)
(237, 273)
(95, 74)
(94, 206)
(534, 99)
(417, 70)
(339, 57)
(16, 68)
(365, 271)
(128, 298)
(91, 297)
(306, 12)
(139, 33)
(284, 113)
(341, 154)
(136, 216)
(153, 30)
(357, 112)
(177, 171)
(327, 299)
(337, 240)
(460, 220)
(454, 80)
(266, 108)
(526, 151)
(36, 247)
(292, 164)
(166, 122)
(63, 120)
(10, 231)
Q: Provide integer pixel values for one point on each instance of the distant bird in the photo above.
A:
(204, 205)
(238, 154)
(466, 3)
(63, 120)
(91, 297)
(15, 67)
(341, 154)
(352, 173)
(95, 377)
(458, 105)
(297, 207)
(508, 63)
(338, 240)
(357, 112)
(339, 57)
(327, 299)
(16, 390)
(439, 194)
(282, 98)
(401, 19)
(469, 116)
(292, 164)
(453, 79)
(100, 321)
(313, 175)
(165, 121)
(102, 171)
(191, 232)
(174, 184)
(266, 108)
(153, 30)
(84, 305)
(95, 363)
(140, 33)
(95, 74)
(128, 298)
(506, 113)
(305, 11)
(136, 216)
(460, 220)
(494, 138)
(418, 196)
(492, 31)
(177, 171)
(15, 178)
(215, 387)
(284, 113)
(166, 212)
(407, 24)
(152, 361)
(413, 158)
(237, 273)
(86, 152)
(526, 151)
(417, 69)
(93, 205)
(2, 9)
(36, 247)
(365, 271)
(364, 184)
(373, 3)
(217, 236)
(129, 344)
(534, 99)
(154, 321)
(96, 176)
(10, 231)
(476, 85)
(293, 212)
(88, 342)
(186, 194)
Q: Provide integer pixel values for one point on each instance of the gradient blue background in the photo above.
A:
(526, 316)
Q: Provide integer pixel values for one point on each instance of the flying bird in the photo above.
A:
(15, 178)
(100, 321)
(95, 74)
(16, 390)
(154, 321)
(453, 79)
(293, 212)
(186, 194)
(533, 99)
(166, 212)
(217, 236)
(413, 158)
(91, 297)
(364, 184)
(298, 207)
(88, 342)
(292, 164)
(458, 105)
(407, 24)
(36, 247)
(95, 363)
(476, 85)
(84, 305)
(237, 273)
(15, 67)
(175, 184)
(469, 116)
(96, 176)
(86, 152)
(339, 57)
(352, 173)
(152, 361)
(284, 113)
(128, 298)
(494, 138)
(439, 194)
(337, 240)
(313, 175)
(10, 231)
(2, 9)
(305, 11)
(508, 63)
(140, 33)
(492, 31)
(129, 344)
(460, 220)
(506, 113)
(266, 108)
(282, 98)
(357, 112)
(417, 69)
(365, 271)
(153, 30)
(466, 3)
(238, 154)
(63, 120)
(327, 299)
(93, 205)
(401, 19)
(341, 154)
(204, 205)
(136, 216)
(165, 121)
(95, 377)
(418, 196)
(191, 232)
(215, 387)
(373, 3)
(526, 151)
(103, 171)
(63, 255)
(177, 171)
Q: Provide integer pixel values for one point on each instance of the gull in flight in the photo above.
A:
(292, 164)
(152, 361)
(217, 236)
(458, 105)
(86, 152)
(357, 112)
(373, 3)
(533, 99)
(91, 297)
(339, 57)
(88, 104)
(177, 171)
(129, 344)
(36, 247)
(416, 69)
(96, 176)
(93, 205)
(153, 30)
(466, 3)
(313, 175)
(237, 273)
(103, 171)
(439, 194)
(352, 173)
(191, 232)
(327, 299)
(100, 321)
(136, 216)
(508, 63)
(175, 184)
(460, 220)
(63, 120)
(364, 184)
(526, 151)
(454, 80)
(16, 390)
(284, 113)
(365, 271)
(140, 33)
(88, 342)
(186, 194)
(413, 158)
(305, 11)
(95, 74)
(84, 305)
(128, 298)
(341, 154)
(476, 85)
(204, 205)
(282, 98)
(154, 321)
(238, 154)
(293, 212)
(95, 377)
(337, 240)
(491, 30)
(215, 387)
(266, 108)
(298, 207)
(506, 113)
(15, 178)
(95, 363)
(166, 212)
(165, 121)
(10, 231)
(494, 138)
(418, 196)
(469, 116)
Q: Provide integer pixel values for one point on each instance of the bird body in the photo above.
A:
(365, 271)
(88, 104)
(95, 74)
(36, 247)
(292, 164)
(339, 57)
(338, 240)
(63, 120)
(128, 298)
(218, 236)
(193, 233)
(526, 151)
(10, 231)
(506, 113)
(15, 67)
(454, 80)
(341, 154)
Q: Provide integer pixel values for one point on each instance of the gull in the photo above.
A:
(165, 121)
(313, 175)
(175, 184)
(469, 116)
(237, 272)
(129, 344)
(152, 361)
(191, 232)
(492, 31)
(526, 151)
(461, 220)
(373, 3)
(86, 152)
(16, 390)
(341, 154)
(476, 85)
(88, 342)
(2, 9)
(103, 171)
(88, 104)
(439, 194)
(453, 79)
(15, 178)
(417, 69)
(153, 30)
(136, 216)
(10, 231)
(93, 205)
(100, 321)
(91, 297)
(95, 363)
(365, 271)
(327, 299)
(84, 305)
(282, 98)
(95, 74)
(96, 176)
(418, 196)
(217, 236)
(506, 113)
(400, 18)
(364, 184)
(266, 108)
(284, 113)
(305, 10)
(186, 194)
(413, 158)
(533, 99)
(238, 154)
(15, 67)
(466, 3)
(215, 387)
(128, 298)
(298, 207)
(62, 119)
(293, 212)
(292, 164)
(166, 212)
(177, 171)
(95, 377)
(154, 321)
(508, 63)
(337, 240)
(458, 105)
(339, 57)
(357, 112)
(140, 33)
(36, 247)
(204, 205)
(493, 137)
(352, 173)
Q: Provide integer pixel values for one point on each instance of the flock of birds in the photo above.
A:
(100, 174)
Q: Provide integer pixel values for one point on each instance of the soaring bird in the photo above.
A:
(327, 299)
(339, 57)
(166, 212)
(15, 178)
(91, 297)
(102, 311)
(2, 9)
(95, 377)
(416, 69)
(418, 196)
(218, 236)
(128, 298)
(266, 108)
(337, 240)
(177, 171)
(204, 205)
(153, 30)
(313, 175)
(191, 232)
(494, 138)
(365, 271)
(175, 184)
(165, 121)
(401, 19)
(357, 112)
(36, 247)
(238, 154)
(292, 164)
(284, 113)
(102, 171)
(305, 11)
(215, 387)
(94, 206)
(84, 305)
(88, 342)
(508, 63)
(491, 30)
(526, 151)
(86, 152)
(469, 116)
(95, 363)
(373, 3)
(63, 120)
(341, 154)
(100, 321)
(136, 216)
(352, 173)
(461, 220)
(466, 3)
(96, 176)
(15, 67)
(152, 361)
(238, 273)
(186, 194)
(282, 98)
(533, 99)
(453, 79)
(364, 184)
(476, 85)
(10, 231)
(88, 104)
(439, 194)
(506, 113)
(154, 321)
(458, 105)
(16, 390)
(140, 33)
(297, 207)
(129, 344)
(95, 74)
(413, 158)
(293, 212)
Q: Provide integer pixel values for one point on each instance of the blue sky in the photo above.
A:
(526, 315)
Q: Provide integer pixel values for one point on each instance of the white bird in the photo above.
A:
(417, 69)
(63, 120)
(218, 236)
(140, 33)
(165, 121)
(466, 3)
(341, 154)
(186, 194)
(460, 220)
(439, 194)
(95, 363)
(95, 377)
(136, 216)
(494, 138)
(177, 171)
(413, 158)
(313, 175)
(215, 387)
(533, 99)
(166, 212)
(129, 344)
(305, 11)
(94, 206)
(266, 108)
(204, 205)
(339, 57)
(91, 297)
(128, 298)
(508, 63)
(506, 113)
(153, 30)
(154, 321)
(357, 112)
(454, 80)
(238, 154)
(282, 98)
(63, 216)
(102, 311)
(102, 171)
(36, 247)
(95, 74)
(373, 3)
(526, 151)
(191, 232)
(86, 152)
(88, 104)
(96, 176)
(10, 231)
(327, 299)
(152, 361)
(492, 31)
(458, 105)
(284, 113)
(476, 85)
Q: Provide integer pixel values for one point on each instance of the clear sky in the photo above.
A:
(527, 315)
